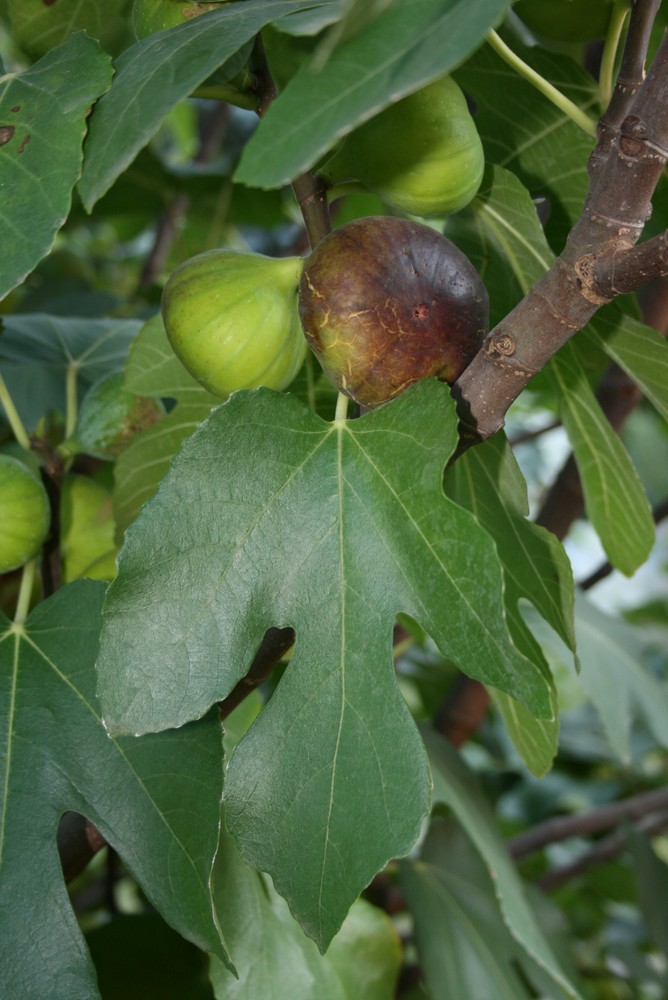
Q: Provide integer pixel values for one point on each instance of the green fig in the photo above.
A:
(87, 545)
(25, 515)
(422, 155)
(232, 320)
(109, 417)
(385, 302)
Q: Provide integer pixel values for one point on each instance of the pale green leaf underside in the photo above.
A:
(487, 481)
(156, 800)
(456, 787)
(615, 499)
(272, 517)
(45, 108)
(640, 351)
(406, 47)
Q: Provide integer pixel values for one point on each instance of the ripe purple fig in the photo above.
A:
(385, 302)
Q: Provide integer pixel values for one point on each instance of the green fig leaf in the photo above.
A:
(615, 499)
(153, 370)
(39, 353)
(487, 481)
(43, 115)
(161, 70)
(455, 786)
(532, 137)
(270, 516)
(39, 26)
(501, 235)
(452, 899)
(614, 674)
(269, 946)
(638, 349)
(407, 46)
(156, 800)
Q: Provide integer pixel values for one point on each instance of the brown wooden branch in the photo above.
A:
(616, 209)
(630, 76)
(628, 270)
(606, 850)
(274, 646)
(559, 828)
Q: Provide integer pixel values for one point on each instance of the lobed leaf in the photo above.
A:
(156, 800)
(272, 517)
(501, 234)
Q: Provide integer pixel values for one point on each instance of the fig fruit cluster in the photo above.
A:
(382, 302)
(422, 155)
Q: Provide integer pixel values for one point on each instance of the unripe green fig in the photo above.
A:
(109, 417)
(232, 320)
(149, 16)
(87, 546)
(422, 155)
(24, 514)
(385, 302)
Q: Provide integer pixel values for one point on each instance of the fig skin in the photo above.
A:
(232, 320)
(422, 155)
(25, 514)
(385, 302)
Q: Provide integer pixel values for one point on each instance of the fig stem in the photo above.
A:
(15, 422)
(606, 79)
(569, 108)
(341, 408)
(25, 591)
(71, 399)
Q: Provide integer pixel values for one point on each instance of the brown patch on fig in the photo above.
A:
(24, 143)
(385, 302)
(6, 134)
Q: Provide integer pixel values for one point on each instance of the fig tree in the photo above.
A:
(24, 514)
(422, 155)
(385, 302)
(232, 320)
